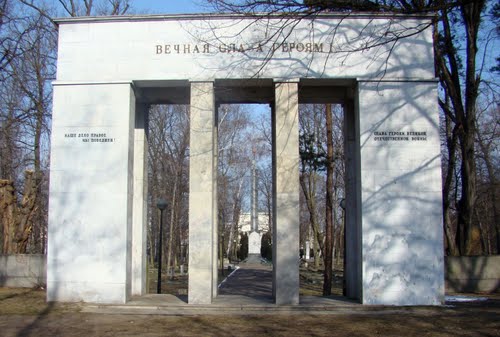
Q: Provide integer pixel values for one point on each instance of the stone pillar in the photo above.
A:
(91, 188)
(286, 194)
(352, 211)
(401, 210)
(215, 217)
(139, 233)
(202, 179)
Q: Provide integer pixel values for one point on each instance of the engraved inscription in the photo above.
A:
(400, 136)
(90, 137)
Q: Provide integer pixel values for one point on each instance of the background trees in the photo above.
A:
(168, 178)
(322, 183)
(466, 40)
(28, 52)
(28, 65)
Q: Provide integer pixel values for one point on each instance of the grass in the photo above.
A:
(25, 301)
(23, 312)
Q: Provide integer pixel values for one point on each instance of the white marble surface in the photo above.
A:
(254, 243)
(201, 194)
(286, 200)
(125, 50)
(140, 207)
(97, 182)
(402, 239)
(90, 183)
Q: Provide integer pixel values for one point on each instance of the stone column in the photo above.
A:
(286, 194)
(139, 233)
(352, 211)
(215, 222)
(202, 179)
(401, 210)
(91, 193)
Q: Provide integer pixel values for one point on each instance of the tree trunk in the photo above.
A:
(492, 187)
(335, 242)
(17, 219)
(8, 209)
(328, 250)
(27, 212)
(170, 253)
(233, 233)
(310, 197)
(464, 110)
(451, 144)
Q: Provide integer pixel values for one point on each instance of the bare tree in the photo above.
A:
(25, 114)
(75, 8)
(168, 141)
(327, 282)
(232, 179)
(312, 154)
(263, 129)
(487, 211)
(28, 47)
(457, 28)
(322, 173)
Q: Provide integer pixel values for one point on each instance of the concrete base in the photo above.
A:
(477, 274)
(253, 258)
(23, 270)
(226, 305)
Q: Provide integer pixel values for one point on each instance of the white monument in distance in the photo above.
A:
(254, 239)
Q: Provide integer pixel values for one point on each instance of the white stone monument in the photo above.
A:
(254, 244)
(110, 69)
(254, 238)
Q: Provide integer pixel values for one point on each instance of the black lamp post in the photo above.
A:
(222, 255)
(234, 250)
(344, 283)
(161, 204)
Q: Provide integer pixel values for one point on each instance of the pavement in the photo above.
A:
(252, 280)
(246, 290)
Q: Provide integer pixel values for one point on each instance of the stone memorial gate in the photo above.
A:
(111, 69)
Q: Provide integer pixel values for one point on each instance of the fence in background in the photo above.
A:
(23, 270)
(463, 273)
(473, 274)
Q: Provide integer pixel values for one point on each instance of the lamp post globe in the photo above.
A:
(161, 204)
(342, 203)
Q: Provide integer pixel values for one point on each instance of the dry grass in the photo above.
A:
(25, 301)
(23, 312)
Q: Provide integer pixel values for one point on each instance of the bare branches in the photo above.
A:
(457, 29)
(310, 6)
(28, 47)
(119, 7)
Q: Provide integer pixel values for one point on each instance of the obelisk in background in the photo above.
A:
(254, 240)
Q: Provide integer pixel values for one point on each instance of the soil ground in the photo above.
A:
(24, 312)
